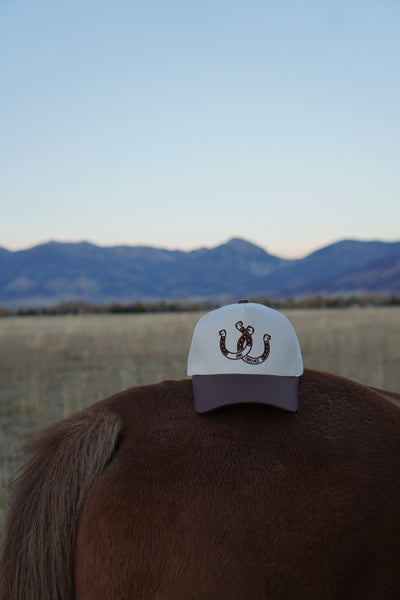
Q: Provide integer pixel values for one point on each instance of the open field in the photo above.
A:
(53, 366)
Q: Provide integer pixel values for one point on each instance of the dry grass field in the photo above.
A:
(53, 366)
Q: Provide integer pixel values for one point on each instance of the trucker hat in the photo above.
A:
(245, 352)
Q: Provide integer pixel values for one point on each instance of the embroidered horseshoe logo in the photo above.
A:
(244, 345)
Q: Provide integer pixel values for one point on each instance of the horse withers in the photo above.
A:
(139, 497)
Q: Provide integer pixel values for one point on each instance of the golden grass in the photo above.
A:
(53, 366)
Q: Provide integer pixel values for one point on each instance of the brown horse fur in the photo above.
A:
(247, 502)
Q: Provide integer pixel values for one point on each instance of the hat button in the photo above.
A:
(243, 302)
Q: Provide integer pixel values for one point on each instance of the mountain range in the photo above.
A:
(55, 272)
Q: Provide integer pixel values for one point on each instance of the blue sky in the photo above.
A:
(182, 124)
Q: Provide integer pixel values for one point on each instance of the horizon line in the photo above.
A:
(196, 248)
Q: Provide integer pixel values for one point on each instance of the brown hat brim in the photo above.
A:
(212, 391)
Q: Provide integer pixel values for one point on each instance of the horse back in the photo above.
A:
(247, 501)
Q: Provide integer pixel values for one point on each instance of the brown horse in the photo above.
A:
(139, 497)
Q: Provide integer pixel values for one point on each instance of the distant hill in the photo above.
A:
(56, 272)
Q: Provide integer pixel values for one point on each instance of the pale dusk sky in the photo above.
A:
(181, 124)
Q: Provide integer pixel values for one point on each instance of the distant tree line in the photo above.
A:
(80, 308)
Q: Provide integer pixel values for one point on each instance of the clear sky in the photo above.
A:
(181, 124)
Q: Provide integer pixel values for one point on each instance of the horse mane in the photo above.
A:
(64, 459)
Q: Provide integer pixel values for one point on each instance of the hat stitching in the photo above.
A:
(244, 345)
